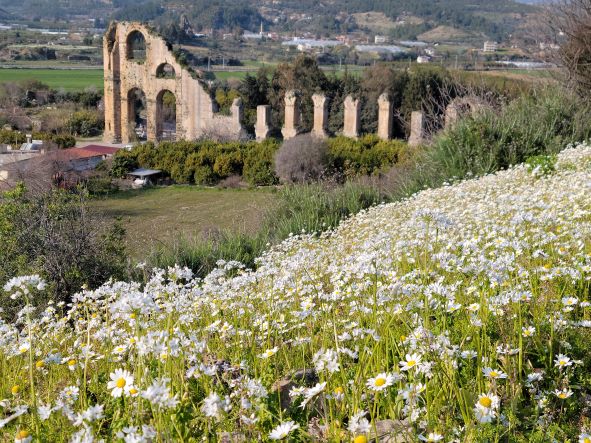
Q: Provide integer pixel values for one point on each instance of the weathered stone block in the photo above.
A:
(320, 116)
(352, 117)
(291, 127)
(384, 117)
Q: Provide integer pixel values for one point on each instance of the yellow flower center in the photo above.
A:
(133, 391)
(133, 315)
(587, 440)
(411, 363)
(338, 390)
(380, 381)
(15, 389)
(71, 362)
(494, 373)
(40, 364)
(120, 383)
(360, 439)
(22, 434)
(485, 402)
(562, 362)
(562, 395)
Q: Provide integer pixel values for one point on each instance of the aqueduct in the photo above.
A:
(149, 95)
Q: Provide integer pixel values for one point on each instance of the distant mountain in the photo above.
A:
(401, 18)
(5, 15)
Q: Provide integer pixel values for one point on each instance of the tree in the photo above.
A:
(569, 22)
(56, 235)
(303, 75)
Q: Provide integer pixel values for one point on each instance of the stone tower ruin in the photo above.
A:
(149, 76)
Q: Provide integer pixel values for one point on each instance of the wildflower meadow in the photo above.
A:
(459, 314)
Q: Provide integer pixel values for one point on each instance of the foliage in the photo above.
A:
(202, 162)
(55, 235)
(493, 140)
(17, 138)
(85, 123)
(365, 156)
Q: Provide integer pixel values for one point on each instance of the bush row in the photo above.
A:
(208, 162)
(202, 162)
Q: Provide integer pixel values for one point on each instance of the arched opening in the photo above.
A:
(138, 114)
(166, 115)
(136, 47)
(165, 71)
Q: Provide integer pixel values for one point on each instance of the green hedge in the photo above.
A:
(203, 162)
(209, 162)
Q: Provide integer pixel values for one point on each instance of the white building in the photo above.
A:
(490, 46)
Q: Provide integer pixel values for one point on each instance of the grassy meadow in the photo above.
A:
(460, 314)
(186, 211)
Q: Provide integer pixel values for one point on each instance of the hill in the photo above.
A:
(494, 19)
(461, 312)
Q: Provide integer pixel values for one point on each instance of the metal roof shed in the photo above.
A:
(144, 173)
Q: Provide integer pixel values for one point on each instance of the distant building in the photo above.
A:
(490, 46)
(422, 59)
(379, 39)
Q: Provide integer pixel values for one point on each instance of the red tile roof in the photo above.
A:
(98, 149)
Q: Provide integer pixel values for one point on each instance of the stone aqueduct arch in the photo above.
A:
(153, 75)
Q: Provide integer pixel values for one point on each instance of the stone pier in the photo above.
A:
(417, 128)
(384, 117)
(352, 117)
(320, 116)
(262, 128)
(291, 126)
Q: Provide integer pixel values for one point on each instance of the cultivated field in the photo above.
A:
(67, 79)
(460, 314)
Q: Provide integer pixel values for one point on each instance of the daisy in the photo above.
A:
(562, 361)
(563, 394)
(529, 331)
(487, 402)
(380, 382)
(22, 437)
(411, 361)
(431, 437)
(585, 438)
(121, 382)
(283, 430)
(493, 373)
(269, 353)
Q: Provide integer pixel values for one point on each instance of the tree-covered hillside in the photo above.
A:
(480, 18)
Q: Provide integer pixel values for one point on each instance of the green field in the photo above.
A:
(68, 79)
(162, 215)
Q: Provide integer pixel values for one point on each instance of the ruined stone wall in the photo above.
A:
(195, 116)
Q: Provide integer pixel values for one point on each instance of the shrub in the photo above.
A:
(493, 140)
(365, 156)
(301, 159)
(56, 235)
(85, 123)
(258, 163)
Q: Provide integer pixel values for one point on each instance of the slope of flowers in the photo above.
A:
(461, 314)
